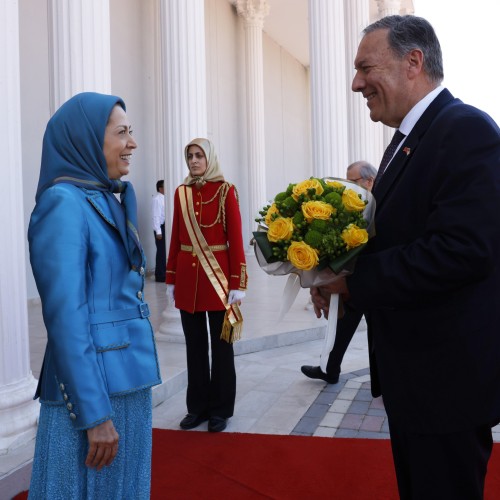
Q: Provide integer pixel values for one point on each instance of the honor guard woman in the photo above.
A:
(206, 275)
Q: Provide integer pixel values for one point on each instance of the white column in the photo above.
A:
(328, 88)
(183, 104)
(253, 13)
(18, 411)
(79, 48)
(388, 8)
(365, 137)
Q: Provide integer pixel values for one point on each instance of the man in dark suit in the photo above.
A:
(429, 281)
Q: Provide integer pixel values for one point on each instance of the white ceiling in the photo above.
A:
(288, 24)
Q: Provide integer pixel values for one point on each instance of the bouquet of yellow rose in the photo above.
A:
(313, 231)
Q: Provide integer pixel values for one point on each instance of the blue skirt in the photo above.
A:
(59, 470)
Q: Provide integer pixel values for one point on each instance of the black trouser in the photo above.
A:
(448, 466)
(346, 327)
(211, 390)
(161, 256)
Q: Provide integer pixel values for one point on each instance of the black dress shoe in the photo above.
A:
(217, 424)
(191, 420)
(316, 372)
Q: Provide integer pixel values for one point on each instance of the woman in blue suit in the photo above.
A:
(94, 435)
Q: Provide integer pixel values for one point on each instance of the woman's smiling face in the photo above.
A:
(118, 143)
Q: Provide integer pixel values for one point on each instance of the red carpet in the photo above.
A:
(188, 465)
(249, 466)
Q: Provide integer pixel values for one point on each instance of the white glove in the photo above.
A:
(170, 294)
(235, 296)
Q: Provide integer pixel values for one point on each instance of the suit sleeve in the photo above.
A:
(237, 264)
(59, 252)
(452, 239)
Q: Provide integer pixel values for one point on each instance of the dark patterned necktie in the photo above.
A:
(388, 154)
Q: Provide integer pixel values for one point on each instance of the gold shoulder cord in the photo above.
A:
(221, 212)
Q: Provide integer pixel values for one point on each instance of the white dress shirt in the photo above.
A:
(158, 212)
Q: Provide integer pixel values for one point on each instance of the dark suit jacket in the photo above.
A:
(429, 280)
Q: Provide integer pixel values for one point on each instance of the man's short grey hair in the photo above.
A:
(366, 170)
(411, 32)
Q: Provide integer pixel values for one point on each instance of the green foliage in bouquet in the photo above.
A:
(314, 223)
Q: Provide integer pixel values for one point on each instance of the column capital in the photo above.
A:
(388, 7)
(253, 11)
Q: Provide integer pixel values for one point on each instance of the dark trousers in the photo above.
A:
(441, 466)
(346, 327)
(211, 389)
(161, 256)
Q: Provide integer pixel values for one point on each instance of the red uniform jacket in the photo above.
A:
(193, 290)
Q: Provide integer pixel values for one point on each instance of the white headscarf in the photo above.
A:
(213, 173)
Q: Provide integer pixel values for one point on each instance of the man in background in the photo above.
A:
(158, 215)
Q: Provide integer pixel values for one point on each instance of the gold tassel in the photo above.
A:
(231, 333)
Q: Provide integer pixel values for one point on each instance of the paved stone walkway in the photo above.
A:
(346, 409)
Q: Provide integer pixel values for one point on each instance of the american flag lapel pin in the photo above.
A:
(407, 150)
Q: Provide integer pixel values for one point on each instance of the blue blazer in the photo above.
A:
(100, 340)
(430, 278)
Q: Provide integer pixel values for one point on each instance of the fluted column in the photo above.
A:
(79, 48)
(253, 13)
(365, 140)
(18, 411)
(183, 98)
(388, 8)
(328, 88)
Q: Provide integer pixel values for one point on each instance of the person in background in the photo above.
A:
(429, 280)
(206, 276)
(363, 174)
(94, 433)
(158, 216)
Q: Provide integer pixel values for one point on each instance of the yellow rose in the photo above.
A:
(335, 184)
(280, 229)
(353, 236)
(302, 187)
(317, 210)
(273, 209)
(302, 256)
(352, 201)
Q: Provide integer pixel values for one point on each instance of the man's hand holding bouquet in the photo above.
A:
(313, 232)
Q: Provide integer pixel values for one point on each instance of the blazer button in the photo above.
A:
(69, 406)
(193, 264)
(139, 295)
(141, 271)
(193, 254)
(72, 416)
(65, 397)
(61, 386)
(197, 213)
